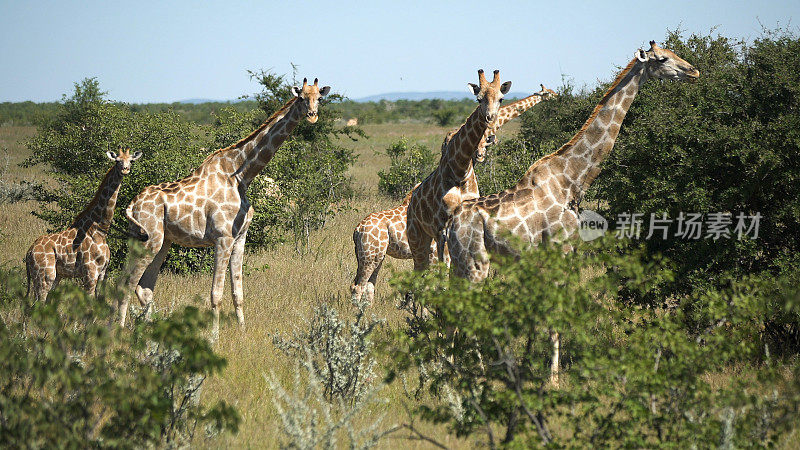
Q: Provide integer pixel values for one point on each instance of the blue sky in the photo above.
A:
(144, 51)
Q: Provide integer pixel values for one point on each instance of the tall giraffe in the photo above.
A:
(384, 233)
(453, 180)
(210, 206)
(544, 202)
(80, 251)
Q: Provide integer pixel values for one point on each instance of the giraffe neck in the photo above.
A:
(460, 151)
(101, 209)
(580, 158)
(513, 110)
(249, 156)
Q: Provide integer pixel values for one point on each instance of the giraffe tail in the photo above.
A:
(28, 274)
(135, 230)
(359, 250)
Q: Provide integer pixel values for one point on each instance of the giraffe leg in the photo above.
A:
(467, 252)
(101, 277)
(44, 275)
(554, 364)
(90, 276)
(420, 244)
(222, 254)
(373, 280)
(237, 291)
(135, 279)
(147, 283)
(369, 261)
(45, 280)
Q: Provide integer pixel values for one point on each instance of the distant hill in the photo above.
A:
(444, 95)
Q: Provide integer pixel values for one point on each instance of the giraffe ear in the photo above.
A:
(111, 155)
(474, 88)
(324, 91)
(641, 55)
(136, 156)
(296, 91)
(505, 87)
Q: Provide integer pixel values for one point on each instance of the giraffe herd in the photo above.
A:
(442, 218)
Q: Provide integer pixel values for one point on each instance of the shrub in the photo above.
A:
(70, 379)
(410, 164)
(634, 377)
(444, 117)
(335, 380)
(11, 192)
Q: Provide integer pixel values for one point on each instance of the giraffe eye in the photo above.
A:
(501, 100)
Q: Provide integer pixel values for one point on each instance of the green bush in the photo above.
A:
(335, 383)
(70, 378)
(632, 377)
(444, 117)
(410, 164)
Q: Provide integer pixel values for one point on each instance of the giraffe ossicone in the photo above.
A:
(81, 251)
(543, 204)
(210, 208)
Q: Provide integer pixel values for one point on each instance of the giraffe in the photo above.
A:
(210, 206)
(380, 234)
(433, 201)
(383, 233)
(543, 204)
(80, 251)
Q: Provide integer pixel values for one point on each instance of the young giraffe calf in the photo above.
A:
(383, 233)
(80, 251)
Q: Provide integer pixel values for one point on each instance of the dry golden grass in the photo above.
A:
(18, 228)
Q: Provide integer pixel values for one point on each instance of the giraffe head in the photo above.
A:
(309, 96)
(666, 65)
(545, 93)
(123, 159)
(489, 94)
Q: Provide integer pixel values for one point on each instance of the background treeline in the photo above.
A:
(204, 113)
(435, 111)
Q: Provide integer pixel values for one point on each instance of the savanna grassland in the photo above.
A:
(281, 287)
(675, 342)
